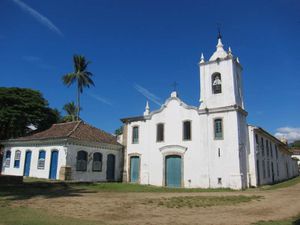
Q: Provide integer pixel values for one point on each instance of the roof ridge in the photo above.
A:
(59, 124)
(72, 131)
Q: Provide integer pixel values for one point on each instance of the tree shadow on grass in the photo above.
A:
(43, 189)
(296, 222)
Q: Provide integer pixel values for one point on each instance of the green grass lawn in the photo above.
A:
(200, 201)
(27, 216)
(284, 184)
(127, 187)
(291, 221)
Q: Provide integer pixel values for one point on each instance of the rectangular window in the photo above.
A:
(219, 180)
(41, 161)
(97, 161)
(187, 130)
(271, 149)
(160, 132)
(262, 146)
(7, 158)
(277, 170)
(264, 169)
(218, 128)
(256, 139)
(276, 151)
(17, 159)
(267, 147)
(135, 135)
(268, 169)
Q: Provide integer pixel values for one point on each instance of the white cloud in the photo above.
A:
(39, 17)
(152, 97)
(290, 133)
(100, 99)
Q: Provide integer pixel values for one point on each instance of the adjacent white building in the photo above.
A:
(209, 146)
(66, 151)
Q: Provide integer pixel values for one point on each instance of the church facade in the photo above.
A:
(210, 146)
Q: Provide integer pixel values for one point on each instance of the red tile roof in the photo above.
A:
(77, 130)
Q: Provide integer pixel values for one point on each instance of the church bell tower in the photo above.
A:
(221, 80)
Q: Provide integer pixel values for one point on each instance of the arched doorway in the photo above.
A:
(53, 165)
(134, 169)
(173, 171)
(27, 164)
(110, 168)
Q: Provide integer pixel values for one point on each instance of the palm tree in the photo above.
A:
(81, 76)
(71, 110)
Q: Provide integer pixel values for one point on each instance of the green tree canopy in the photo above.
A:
(71, 111)
(119, 131)
(22, 107)
(296, 144)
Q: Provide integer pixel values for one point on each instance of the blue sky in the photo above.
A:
(138, 46)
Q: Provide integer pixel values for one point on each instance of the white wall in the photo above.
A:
(66, 157)
(34, 171)
(284, 166)
(202, 166)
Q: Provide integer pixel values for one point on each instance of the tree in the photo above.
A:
(71, 110)
(81, 76)
(22, 107)
(296, 144)
(119, 131)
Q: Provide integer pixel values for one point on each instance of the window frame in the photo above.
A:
(17, 165)
(41, 160)
(101, 162)
(262, 145)
(183, 130)
(132, 134)
(77, 161)
(213, 76)
(222, 128)
(163, 132)
(7, 159)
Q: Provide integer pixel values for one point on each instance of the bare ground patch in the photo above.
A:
(130, 208)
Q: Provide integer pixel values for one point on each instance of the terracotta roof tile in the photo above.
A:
(77, 130)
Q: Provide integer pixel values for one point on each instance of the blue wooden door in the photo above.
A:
(110, 167)
(173, 171)
(53, 165)
(27, 164)
(134, 169)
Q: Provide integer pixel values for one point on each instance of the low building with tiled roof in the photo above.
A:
(65, 151)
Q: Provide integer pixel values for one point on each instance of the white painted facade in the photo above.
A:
(206, 161)
(67, 158)
(270, 160)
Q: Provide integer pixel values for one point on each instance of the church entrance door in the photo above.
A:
(134, 169)
(173, 171)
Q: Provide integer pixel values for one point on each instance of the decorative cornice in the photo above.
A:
(173, 148)
(223, 109)
(60, 141)
(181, 103)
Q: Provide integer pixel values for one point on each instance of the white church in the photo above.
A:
(206, 146)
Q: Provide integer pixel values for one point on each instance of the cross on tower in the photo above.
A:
(174, 85)
(219, 31)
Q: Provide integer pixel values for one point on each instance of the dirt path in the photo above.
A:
(128, 208)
